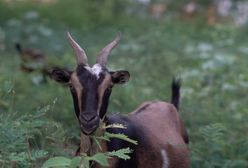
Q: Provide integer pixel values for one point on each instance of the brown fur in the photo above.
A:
(163, 130)
(29, 54)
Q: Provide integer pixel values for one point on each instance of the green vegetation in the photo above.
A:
(84, 160)
(37, 119)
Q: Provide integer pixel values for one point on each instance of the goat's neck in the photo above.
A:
(85, 144)
(89, 146)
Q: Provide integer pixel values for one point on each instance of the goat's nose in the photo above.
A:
(89, 125)
(87, 118)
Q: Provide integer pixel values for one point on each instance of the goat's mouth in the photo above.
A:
(88, 129)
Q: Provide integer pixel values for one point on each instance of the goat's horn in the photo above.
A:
(102, 57)
(78, 51)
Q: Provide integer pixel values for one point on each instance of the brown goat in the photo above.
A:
(30, 54)
(33, 60)
(156, 126)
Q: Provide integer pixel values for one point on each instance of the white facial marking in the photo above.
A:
(165, 159)
(95, 70)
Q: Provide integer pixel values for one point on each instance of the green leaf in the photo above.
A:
(100, 158)
(75, 162)
(57, 162)
(38, 154)
(122, 153)
(101, 138)
(120, 136)
(213, 132)
(85, 163)
(97, 142)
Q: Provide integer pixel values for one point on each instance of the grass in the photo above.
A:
(211, 60)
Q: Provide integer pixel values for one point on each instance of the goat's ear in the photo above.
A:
(60, 75)
(120, 77)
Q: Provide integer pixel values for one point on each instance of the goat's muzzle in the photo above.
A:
(89, 125)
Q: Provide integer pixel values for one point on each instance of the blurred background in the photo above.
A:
(202, 41)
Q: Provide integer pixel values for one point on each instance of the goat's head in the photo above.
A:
(90, 86)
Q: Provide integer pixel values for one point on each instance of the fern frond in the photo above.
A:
(124, 137)
(122, 153)
(115, 125)
(213, 132)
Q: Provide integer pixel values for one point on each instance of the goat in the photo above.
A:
(30, 54)
(36, 58)
(157, 126)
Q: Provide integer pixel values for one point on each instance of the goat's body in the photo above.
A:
(164, 130)
(156, 126)
(160, 134)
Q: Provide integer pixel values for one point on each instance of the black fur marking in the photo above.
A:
(75, 102)
(116, 144)
(61, 75)
(105, 102)
(120, 77)
(175, 95)
(175, 100)
(90, 98)
(186, 137)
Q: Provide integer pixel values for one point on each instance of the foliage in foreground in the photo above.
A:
(84, 161)
(24, 137)
(101, 158)
(212, 60)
